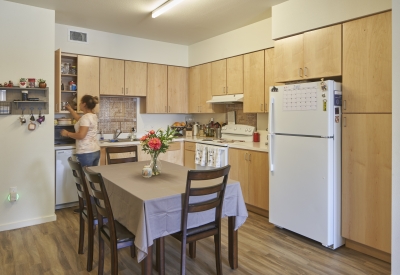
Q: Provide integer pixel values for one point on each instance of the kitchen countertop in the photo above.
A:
(255, 146)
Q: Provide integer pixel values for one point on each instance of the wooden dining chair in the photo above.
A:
(190, 236)
(86, 211)
(113, 233)
(125, 154)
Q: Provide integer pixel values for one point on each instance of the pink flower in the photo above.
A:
(155, 143)
(151, 132)
(143, 138)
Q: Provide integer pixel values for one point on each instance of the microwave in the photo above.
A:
(58, 139)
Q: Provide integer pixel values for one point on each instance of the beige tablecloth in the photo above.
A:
(152, 207)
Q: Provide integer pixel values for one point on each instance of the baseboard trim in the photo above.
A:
(381, 255)
(25, 223)
(257, 210)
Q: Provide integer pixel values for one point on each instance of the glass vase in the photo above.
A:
(155, 164)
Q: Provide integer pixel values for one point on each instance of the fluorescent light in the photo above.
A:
(164, 7)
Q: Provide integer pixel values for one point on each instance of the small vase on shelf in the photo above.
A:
(155, 164)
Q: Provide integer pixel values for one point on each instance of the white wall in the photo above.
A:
(396, 139)
(296, 16)
(250, 38)
(27, 158)
(117, 46)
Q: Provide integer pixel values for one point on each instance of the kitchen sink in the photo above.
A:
(123, 140)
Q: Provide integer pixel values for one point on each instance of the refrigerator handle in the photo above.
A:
(271, 116)
(270, 151)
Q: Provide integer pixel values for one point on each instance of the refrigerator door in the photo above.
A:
(303, 109)
(301, 186)
(65, 183)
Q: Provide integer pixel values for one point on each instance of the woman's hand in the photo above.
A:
(69, 108)
(64, 133)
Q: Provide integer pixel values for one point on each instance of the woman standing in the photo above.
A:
(87, 146)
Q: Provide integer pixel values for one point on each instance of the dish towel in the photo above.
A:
(201, 154)
(214, 156)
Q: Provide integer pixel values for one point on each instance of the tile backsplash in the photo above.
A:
(242, 118)
(117, 113)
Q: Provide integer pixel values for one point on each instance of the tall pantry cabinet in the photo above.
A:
(367, 134)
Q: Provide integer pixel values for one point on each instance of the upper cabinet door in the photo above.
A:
(112, 77)
(194, 89)
(323, 52)
(268, 76)
(253, 82)
(178, 90)
(367, 64)
(157, 77)
(218, 77)
(234, 75)
(205, 91)
(88, 76)
(289, 59)
(135, 78)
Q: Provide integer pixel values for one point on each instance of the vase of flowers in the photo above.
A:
(155, 143)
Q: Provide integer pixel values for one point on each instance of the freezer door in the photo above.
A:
(302, 109)
(301, 186)
(65, 183)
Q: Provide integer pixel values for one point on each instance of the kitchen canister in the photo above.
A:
(256, 137)
(146, 171)
(24, 95)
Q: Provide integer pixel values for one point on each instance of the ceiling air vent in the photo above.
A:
(78, 36)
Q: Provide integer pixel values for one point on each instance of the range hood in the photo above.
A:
(226, 99)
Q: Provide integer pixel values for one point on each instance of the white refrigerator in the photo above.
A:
(305, 160)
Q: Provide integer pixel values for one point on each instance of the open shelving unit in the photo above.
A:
(65, 95)
(16, 105)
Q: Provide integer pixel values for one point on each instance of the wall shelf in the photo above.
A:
(14, 95)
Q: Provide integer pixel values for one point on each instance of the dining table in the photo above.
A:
(151, 208)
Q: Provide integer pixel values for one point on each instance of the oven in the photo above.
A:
(213, 153)
(58, 139)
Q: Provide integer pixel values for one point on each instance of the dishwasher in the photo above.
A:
(66, 192)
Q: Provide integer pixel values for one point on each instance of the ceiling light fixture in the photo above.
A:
(164, 7)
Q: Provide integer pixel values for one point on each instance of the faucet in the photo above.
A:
(117, 133)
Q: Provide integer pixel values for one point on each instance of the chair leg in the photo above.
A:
(114, 259)
(81, 234)
(217, 242)
(133, 251)
(183, 256)
(101, 256)
(90, 248)
(192, 250)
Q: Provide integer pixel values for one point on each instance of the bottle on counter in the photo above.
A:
(133, 134)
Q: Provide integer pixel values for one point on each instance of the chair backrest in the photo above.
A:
(100, 196)
(218, 189)
(81, 186)
(127, 157)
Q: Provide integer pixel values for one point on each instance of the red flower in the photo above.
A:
(155, 143)
(143, 138)
(151, 132)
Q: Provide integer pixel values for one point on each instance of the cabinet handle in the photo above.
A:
(344, 122)
(226, 89)
(305, 71)
(261, 107)
(301, 72)
(169, 109)
(223, 90)
(57, 107)
(245, 156)
(344, 104)
(126, 91)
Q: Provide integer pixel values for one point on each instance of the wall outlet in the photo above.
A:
(13, 193)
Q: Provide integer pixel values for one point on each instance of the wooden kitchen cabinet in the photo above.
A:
(157, 88)
(250, 168)
(190, 152)
(310, 55)
(254, 90)
(112, 76)
(227, 76)
(86, 79)
(135, 78)
(268, 75)
(178, 90)
(367, 64)
(200, 91)
(366, 179)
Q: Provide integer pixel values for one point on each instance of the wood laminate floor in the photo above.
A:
(51, 248)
